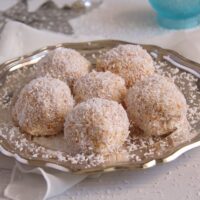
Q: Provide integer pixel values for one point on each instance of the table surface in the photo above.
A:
(177, 180)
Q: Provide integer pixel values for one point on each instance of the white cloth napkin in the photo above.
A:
(16, 36)
(42, 183)
(18, 39)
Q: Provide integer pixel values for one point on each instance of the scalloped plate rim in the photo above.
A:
(149, 164)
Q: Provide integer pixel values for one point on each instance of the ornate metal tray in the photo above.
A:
(137, 153)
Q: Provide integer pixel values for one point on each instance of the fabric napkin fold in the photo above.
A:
(18, 39)
(43, 183)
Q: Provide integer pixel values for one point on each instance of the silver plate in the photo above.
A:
(15, 73)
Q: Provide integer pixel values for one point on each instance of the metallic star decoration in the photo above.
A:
(47, 17)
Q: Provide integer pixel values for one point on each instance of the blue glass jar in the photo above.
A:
(177, 14)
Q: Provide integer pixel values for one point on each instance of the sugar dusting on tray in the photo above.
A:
(137, 148)
(22, 144)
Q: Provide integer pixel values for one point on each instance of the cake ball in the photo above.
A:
(96, 126)
(42, 105)
(104, 85)
(65, 64)
(131, 62)
(156, 105)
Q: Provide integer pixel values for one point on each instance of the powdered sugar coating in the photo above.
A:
(97, 125)
(42, 105)
(65, 64)
(104, 85)
(131, 62)
(156, 105)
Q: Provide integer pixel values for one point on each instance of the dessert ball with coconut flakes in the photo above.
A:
(96, 126)
(65, 64)
(156, 105)
(104, 85)
(42, 105)
(131, 62)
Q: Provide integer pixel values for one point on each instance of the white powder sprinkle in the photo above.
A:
(138, 149)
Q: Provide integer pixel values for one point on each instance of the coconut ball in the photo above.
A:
(42, 105)
(156, 105)
(65, 64)
(131, 62)
(96, 126)
(104, 85)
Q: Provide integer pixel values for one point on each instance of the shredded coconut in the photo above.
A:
(156, 105)
(104, 85)
(131, 62)
(97, 125)
(42, 105)
(65, 64)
